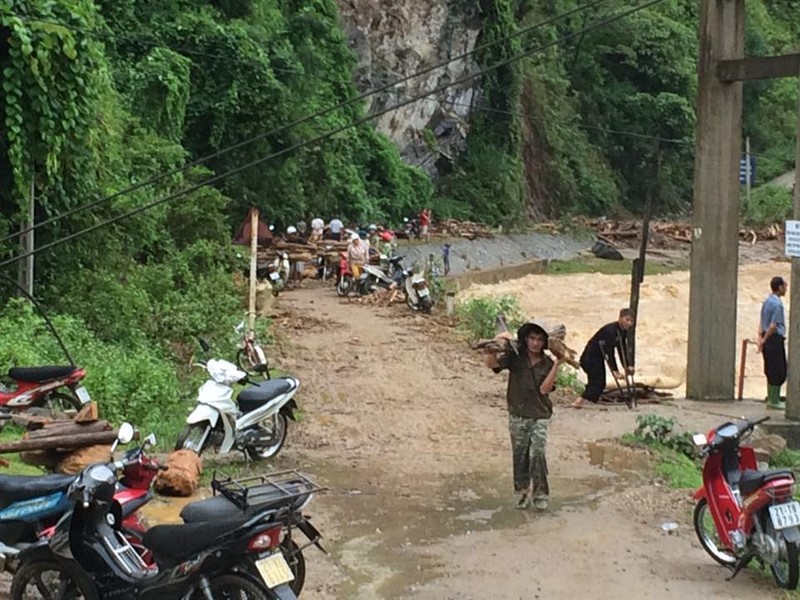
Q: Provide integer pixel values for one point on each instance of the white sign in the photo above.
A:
(792, 238)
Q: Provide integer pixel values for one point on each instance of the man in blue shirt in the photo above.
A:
(771, 336)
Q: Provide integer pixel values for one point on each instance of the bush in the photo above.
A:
(768, 204)
(133, 383)
(477, 315)
(653, 430)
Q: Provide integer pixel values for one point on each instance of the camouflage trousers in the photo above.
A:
(528, 441)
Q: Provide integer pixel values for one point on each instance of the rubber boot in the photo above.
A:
(774, 397)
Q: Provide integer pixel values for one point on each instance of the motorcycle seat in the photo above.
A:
(254, 396)
(173, 544)
(259, 499)
(750, 479)
(40, 374)
(22, 487)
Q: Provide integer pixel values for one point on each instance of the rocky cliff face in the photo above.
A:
(395, 38)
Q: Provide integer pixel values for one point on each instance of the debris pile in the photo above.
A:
(466, 229)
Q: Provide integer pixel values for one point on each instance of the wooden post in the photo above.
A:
(742, 363)
(793, 374)
(711, 356)
(27, 244)
(253, 265)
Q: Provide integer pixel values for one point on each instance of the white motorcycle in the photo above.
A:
(256, 423)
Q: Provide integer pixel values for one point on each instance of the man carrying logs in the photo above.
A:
(532, 376)
(599, 351)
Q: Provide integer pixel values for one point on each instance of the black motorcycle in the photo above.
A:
(88, 556)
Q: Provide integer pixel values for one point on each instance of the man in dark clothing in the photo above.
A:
(532, 376)
(600, 349)
(771, 336)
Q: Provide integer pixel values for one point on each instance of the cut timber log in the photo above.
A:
(67, 442)
(67, 428)
(87, 414)
(181, 476)
(30, 422)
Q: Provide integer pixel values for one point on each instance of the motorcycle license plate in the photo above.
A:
(274, 276)
(274, 570)
(785, 515)
(83, 395)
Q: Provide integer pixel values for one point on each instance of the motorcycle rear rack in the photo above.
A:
(261, 489)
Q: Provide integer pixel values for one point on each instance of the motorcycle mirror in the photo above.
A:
(150, 440)
(699, 440)
(125, 434)
(204, 344)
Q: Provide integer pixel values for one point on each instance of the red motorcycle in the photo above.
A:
(39, 387)
(344, 282)
(743, 513)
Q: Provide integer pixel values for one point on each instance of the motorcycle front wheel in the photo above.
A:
(344, 286)
(706, 532)
(272, 436)
(785, 570)
(51, 580)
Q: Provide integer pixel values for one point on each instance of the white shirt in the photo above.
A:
(336, 226)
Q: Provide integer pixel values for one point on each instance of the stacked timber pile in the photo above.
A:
(63, 445)
(666, 234)
(466, 229)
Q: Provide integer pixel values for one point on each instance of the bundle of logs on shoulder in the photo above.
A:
(63, 445)
(555, 345)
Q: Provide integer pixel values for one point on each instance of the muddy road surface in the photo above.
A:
(408, 430)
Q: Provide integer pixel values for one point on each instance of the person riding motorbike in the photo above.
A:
(357, 255)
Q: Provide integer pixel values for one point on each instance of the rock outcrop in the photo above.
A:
(395, 38)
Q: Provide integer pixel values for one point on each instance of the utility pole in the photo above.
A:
(27, 245)
(637, 274)
(711, 360)
(254, 216)
(793, 329)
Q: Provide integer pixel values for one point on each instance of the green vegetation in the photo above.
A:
(606, 267)
(11, 433)
(477, 316)
(676, 454)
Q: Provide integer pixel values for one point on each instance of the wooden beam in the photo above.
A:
(763, 67)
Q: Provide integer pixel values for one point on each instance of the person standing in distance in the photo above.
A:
(771, 338)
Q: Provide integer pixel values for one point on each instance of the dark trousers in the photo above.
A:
(774, 352)
(596, 373)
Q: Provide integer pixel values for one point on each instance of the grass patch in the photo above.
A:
(12, 433)
(606, 267)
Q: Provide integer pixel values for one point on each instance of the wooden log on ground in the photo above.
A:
(61, 442)
(74, 462)
(30, 421)
(49, 459)
(66, 428)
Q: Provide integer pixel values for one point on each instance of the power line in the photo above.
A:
(322, 137)
(295, 123)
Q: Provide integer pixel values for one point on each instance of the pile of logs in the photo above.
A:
(665, 234)
(63, 445)
(466, 229)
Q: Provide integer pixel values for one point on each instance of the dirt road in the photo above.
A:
(409, 433)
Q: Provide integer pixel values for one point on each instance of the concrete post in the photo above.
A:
(711, 364)
(793, 328)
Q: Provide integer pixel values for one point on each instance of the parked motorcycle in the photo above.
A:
(251, 357)
(31, 506)
(256, 423)
(53, 387)
(418, 296)
(89, 557)
(743, 513)
(278, 272)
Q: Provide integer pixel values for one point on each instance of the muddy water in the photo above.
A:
(586, 301)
